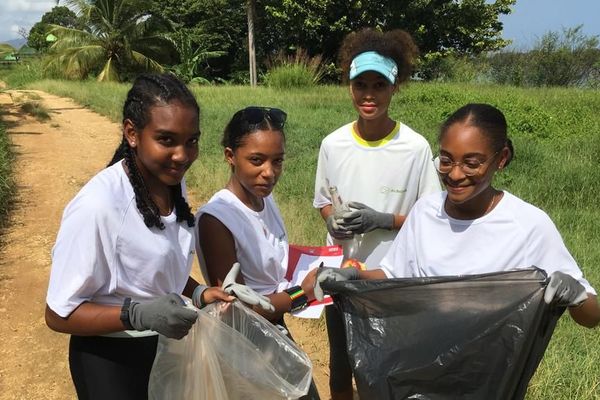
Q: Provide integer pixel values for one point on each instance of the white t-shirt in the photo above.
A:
(261, 242)
(514, 235)
(104, 252)
(388, 175)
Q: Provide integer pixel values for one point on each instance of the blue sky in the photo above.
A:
(530, 18)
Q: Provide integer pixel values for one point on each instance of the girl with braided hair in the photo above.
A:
(124, 250)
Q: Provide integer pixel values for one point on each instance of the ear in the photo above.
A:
(229, 156)
(504, 156)
(130, 133)
(396, 88)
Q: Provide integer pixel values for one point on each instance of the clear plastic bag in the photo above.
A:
(230, 353)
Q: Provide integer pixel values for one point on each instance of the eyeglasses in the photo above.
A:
(254, 116)
(469, 167)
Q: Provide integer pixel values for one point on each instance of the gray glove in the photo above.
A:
(364, 219)
(243, 292)
(333, 274)
(564, 290)
(166, 315)
(335, 230)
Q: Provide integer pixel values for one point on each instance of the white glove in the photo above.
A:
(243, 292)
(564, 290)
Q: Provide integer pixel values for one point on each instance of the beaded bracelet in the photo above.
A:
(298, 297)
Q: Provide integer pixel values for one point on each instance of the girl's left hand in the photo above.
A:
(212, 294)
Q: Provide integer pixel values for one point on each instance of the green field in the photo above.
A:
(556, 134)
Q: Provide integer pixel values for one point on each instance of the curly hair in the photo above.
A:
(147, 91)
(396, 44)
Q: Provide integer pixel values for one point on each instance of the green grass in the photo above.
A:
(17, 76)
(7, 185)
(35, 109)
(556, 133)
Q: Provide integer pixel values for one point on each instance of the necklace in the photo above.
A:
(164, 206)
(492, 203)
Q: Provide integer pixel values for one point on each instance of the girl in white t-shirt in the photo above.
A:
(379, 166)
(242, 224)
(125, 248)
(473, 228)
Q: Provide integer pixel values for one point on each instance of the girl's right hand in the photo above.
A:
(335, 230)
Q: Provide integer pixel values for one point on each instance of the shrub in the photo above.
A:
(295, 71)
(509, 68)
(558, 59)
(239, 78)
(23, 73)
(35, 109)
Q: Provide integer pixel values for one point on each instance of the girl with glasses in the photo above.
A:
(242, 224)
(379, 166)
(474, 228)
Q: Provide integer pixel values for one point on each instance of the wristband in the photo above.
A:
(124, 317)
(298, 297)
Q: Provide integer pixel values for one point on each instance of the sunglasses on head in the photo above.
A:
(255, 115)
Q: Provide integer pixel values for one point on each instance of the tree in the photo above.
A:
(57, 16)
(439, 27)
(119, 37)
(460, 27)
(213, 25)
(190, 59)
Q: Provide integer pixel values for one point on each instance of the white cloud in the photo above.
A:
(15, 14)
(32, 6)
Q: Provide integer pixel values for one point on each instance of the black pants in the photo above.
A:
(111, 368)
(340, 370)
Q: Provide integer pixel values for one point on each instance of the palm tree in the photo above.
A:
(119, 37)
(191, 56)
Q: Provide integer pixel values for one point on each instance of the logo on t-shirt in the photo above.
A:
(387, 189)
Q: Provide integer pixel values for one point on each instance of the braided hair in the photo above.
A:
(149, 90)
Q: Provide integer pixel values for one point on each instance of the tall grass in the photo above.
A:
(555, 133)
(17, 76)
(298, 70)
(7, 184)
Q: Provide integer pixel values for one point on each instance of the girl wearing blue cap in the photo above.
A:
(379, 166)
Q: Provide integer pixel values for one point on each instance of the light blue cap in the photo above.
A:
(373, 61)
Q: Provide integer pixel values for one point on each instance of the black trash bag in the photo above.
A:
(466, 337)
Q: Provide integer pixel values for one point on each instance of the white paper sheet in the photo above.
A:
(304, 259)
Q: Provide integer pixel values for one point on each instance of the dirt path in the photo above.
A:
(54, 159)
